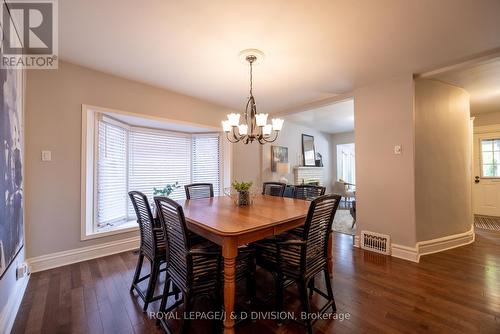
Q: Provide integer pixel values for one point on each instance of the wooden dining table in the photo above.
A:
(219, 220)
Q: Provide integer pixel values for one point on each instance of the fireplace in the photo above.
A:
(309, 175)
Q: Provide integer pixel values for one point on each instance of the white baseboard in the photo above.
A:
(432, 246)
(356, 241)
(445, 243)
(405, 252)
(63, 258)
(9, 312)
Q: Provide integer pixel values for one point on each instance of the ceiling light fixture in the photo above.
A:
(254, 125)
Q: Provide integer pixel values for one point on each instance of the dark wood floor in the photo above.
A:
(457, 291)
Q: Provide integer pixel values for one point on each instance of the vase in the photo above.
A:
(243, 198)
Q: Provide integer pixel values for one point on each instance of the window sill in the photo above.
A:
(129, 226)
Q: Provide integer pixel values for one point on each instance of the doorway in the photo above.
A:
(481, 79)
(486, 171)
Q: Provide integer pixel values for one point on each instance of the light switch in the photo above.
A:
(398, 149)
(46, 155)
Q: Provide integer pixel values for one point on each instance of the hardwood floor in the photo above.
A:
(457, 291)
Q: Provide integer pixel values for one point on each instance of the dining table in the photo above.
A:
(221, 221)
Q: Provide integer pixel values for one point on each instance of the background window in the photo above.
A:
(490, 157)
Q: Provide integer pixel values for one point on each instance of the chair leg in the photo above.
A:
(187, 310)
(279, 287)
(304, 301)
(137, 273)
(218, 301)
(164, 298)
(311, 287)
(251, 284)
(329, 289)
(155, 271)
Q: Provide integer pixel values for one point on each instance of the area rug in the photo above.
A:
(343, 222)
(487, 223)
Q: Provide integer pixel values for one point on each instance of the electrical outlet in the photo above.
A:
(46, 155)
(398, 149)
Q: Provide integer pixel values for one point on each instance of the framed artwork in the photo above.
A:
(11, 166)
(308, 151)
(278, 154)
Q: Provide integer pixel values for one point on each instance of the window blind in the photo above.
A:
(206, 160)
(158, 158)
(141, 159)
(111, 174)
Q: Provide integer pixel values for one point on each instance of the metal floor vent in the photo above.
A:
(376, 242)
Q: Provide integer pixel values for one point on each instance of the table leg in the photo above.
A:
(330, 254)
(229, 252)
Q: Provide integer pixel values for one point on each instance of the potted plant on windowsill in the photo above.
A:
(243, 190)
(165, 191)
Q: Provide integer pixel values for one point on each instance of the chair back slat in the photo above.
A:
(174, 225)
(317, 229)
(199, 190)
(149, 239)
(273, 188)
(308, 192)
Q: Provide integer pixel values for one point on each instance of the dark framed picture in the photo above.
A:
(11, 165)
(278, 154)
(308, 151)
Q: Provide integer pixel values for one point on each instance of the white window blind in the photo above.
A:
(158, 158)
(111, 174)
(141, 159)
(206, 160)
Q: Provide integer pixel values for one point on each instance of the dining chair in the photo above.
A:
(152, 246)
(300, 259)
(199, 190)
(308, 192)
(340, 187)
(195, 269)
(273, 188)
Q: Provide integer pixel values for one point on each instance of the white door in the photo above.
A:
(486, 186)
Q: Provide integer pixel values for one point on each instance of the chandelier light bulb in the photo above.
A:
(277, 124)
(266, 130)
(234, 119)
(226, 126)
(261, 119)
(243, 129)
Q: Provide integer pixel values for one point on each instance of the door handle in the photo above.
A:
(476, 179)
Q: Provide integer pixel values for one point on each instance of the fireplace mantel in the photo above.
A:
(305, 175)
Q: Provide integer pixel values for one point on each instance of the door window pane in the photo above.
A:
(490, 157)
(486, 145)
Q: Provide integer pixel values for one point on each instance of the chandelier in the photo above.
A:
(254, 125)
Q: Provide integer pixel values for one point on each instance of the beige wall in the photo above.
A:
(487, 118)
(385, 190)
(443, 160)
(337, 139)
(53, 122)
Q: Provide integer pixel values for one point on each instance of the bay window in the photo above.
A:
(127, 157)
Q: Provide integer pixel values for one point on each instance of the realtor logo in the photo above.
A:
(29, 34)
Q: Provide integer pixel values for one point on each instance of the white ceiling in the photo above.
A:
(481, 81)
(314, 49)
(333, 118)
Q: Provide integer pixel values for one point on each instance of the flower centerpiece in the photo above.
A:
(243, 189)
